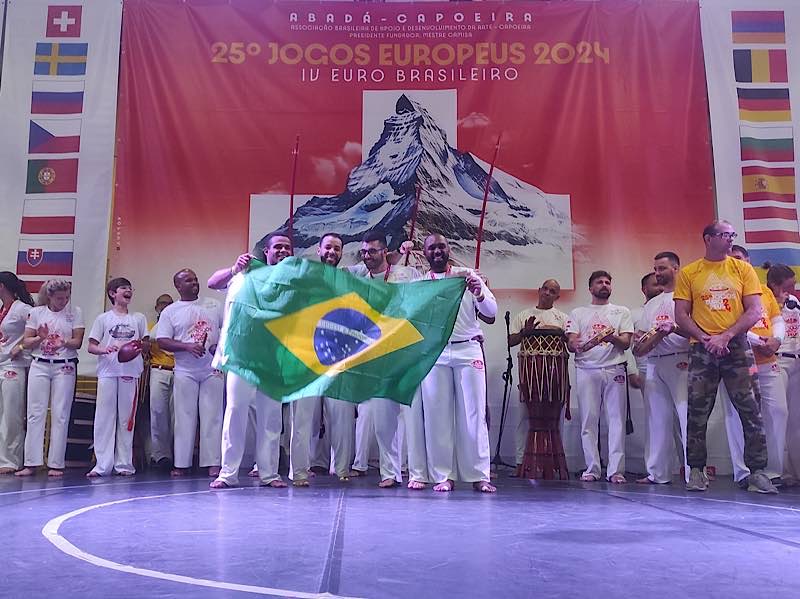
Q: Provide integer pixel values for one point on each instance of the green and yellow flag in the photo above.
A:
(303, 329)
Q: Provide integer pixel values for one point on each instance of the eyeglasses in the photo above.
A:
(370, 251)
(728, 236)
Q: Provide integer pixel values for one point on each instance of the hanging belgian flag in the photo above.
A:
(304, 329)
(760, 66)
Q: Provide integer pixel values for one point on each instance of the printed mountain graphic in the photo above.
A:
(522, 222)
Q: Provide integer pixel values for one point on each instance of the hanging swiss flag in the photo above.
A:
(63, 21)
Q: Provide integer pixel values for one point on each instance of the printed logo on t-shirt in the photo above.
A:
(792, 324)
(122, 332)
(763, 321)
(51, 344)
(199, 331)
(718, 294)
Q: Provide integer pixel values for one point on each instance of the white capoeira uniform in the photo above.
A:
(162, 410)
(364, 438)
(600, 376)
(666, 389)
(117, 392)
(550, 318)
(385, 412)
(51, 380)
(789, 360)
(774, 410)
(198, 386)
(454, 395)
(13, 377)
(241, 397)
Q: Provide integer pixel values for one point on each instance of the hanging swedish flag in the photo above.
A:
(303, 329)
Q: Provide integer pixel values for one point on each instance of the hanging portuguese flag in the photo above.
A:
(52, 176)
(303, 329)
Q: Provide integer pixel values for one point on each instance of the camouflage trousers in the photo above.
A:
(738, 372)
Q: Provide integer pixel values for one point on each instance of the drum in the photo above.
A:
(544, 389)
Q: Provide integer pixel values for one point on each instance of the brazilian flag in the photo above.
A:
(304, 329)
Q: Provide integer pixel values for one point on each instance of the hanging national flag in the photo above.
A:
(760, 66)
(776, 255)
(45, 257)
(48, 217)
(63, 21)
(764, 105)
(33, 285)
(758, 27)
(774, 234)
(762, 183)
(57, 97)
(303, 329)
(767, 144)
(52, 176)
(60, 59)
(61, 136)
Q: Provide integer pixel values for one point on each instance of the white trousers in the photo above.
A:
(602, 388)
(302, 425)
(320, 446)
(775, 415)
(53, 385)
(113, 442)
(198, 395)
(365, 436)
(241, 396)
(414, 424)
(12, 416)
(454, 400)
(666, 393)
(521, 431)
(340, 418)
(162, 414)
(790, 369)
(385, 416)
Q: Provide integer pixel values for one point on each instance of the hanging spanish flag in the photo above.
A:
(761, 183)
(760, 66)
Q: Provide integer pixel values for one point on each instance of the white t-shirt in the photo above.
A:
(551, 317)
(586, 321)
(61, 326)
(12, 329)
(467, 325)
(791, 340)
(234, 286)
(397, 273)
(111, 328)
(659, 310)
(191, 322)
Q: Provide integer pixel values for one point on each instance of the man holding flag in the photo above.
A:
(240, 393)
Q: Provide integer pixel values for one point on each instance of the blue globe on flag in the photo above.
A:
(342, 333)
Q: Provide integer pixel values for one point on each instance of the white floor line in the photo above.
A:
(52, 534)
(110, 484)
(696, 498)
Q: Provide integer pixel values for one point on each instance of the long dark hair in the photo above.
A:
(17, 287)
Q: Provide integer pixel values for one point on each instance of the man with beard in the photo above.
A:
(717, 300)
(454, 392)
(598, 335)
(241, 394)
(660, 341)
(189, 328)
(386, 413)
(339, 415)
(543, 316)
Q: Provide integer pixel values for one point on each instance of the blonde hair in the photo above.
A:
(50, 287)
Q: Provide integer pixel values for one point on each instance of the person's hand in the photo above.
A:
(406, 247)
(529, 327)
(771, 345)
(666, 327)
(241, 263)
(198, 350)
(474, 286)
(636, 381)
(482, 277)
(43, 331)
(110, 349)
(15, 351)
(717, 345)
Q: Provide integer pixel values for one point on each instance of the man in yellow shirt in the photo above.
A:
(717, 300)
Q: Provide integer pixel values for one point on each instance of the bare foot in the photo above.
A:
(444, 487)
(356, 473)
(7, 471)
(275, 484)
(484, 486)
(213, 471)
(55, 473)
(125, 473)
(588, 477)
(618, 479)
(344, 479)
(219, 484)
(644, 481)
(179, 472)
(92, 474)
(388, 483)
(415, 485)
(300, 482)
(253, 473)
(25, 472)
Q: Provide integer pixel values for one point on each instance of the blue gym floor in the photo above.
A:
(156, 537)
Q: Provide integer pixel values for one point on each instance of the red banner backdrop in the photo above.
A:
(604, 156)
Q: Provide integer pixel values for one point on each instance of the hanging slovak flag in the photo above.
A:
(45, 257)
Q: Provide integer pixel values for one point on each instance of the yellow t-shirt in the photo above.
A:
(715, 290)
(159, 357)
(763, 328)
